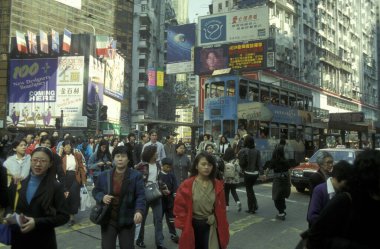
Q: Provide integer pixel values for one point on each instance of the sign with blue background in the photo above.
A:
(33, 80)
(213, 29)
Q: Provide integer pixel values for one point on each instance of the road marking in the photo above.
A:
(266, 196)
(241, 224)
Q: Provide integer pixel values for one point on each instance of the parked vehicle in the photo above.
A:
(300, 174)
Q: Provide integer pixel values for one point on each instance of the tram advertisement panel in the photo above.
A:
(268, 113)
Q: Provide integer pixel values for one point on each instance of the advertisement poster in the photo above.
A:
(114, 109)
(33, 80)
(114, 77)
(181, 41)
(96, 70)
(210, 59)
(242, 25)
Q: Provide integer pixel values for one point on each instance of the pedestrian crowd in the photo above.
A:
(42, 177)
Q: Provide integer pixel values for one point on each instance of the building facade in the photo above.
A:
(112, 18)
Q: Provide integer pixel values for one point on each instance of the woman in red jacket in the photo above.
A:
(200, 207)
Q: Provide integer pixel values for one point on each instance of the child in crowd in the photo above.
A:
(167, 177)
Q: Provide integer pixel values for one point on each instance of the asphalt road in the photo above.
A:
(259, 231)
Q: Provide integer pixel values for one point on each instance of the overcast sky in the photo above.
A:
(199, 7)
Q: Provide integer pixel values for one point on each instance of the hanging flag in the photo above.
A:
(160, 79)
(112, 48)
(55, 41)
(32, 42)
(44, 44)
(66, 41)
(151, 79)
(21, 43)
(102, 42)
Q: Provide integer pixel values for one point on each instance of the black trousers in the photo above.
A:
(280, 205)
(230, 187)
(110, 232)
(201, 233)
(73, 200)
(249, 181)
(167, 210)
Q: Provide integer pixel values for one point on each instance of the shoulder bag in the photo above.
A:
(99, 213)
(152, 190)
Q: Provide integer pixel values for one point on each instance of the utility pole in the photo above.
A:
(97, 112)
(61, 126)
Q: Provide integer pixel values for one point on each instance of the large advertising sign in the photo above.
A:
(95, 81)
(72, 3)
(114, 77)
(41, 88)
(247, 56)
(70, 91)
(114, 109)
(180, 42)
(242, 25)
(209, 59)
(33, 80)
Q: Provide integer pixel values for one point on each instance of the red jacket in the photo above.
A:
(183, 212)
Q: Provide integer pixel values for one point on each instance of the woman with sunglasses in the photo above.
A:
(40, 203)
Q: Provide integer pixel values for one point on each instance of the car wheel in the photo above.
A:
(300, 189)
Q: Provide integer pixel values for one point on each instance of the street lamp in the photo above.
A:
(93, 28)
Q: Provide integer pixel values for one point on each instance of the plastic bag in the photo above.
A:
(85, 199)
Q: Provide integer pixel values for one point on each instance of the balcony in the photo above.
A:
(144, 44)
(145, 18)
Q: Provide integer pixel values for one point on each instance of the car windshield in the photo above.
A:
(338, 155)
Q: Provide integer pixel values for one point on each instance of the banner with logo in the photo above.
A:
(55, 41)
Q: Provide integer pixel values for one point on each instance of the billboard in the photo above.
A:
(209, 59)
(243, 56)
(180, 42)
(242, 25)
(33, 80)
(114, 77)
(72, 3)
(114, 109)
(70, 91)
(95, 80)
(40, 88)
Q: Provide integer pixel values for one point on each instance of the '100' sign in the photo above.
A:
(25, 70)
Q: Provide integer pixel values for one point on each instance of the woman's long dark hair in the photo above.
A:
(148, 153)
(210, 158)
(100, 154)
(66, 142)
(50, 178)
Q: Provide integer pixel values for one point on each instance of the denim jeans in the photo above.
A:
(157, 220)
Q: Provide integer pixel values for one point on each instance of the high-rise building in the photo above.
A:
(97, 17)
(181, 8)
(327, 45)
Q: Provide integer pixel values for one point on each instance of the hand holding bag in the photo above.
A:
(152, 192)
(5, 229)
(99, 213)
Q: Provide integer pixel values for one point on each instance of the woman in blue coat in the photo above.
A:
(126, 198)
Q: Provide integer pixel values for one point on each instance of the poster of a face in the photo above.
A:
(210, 59)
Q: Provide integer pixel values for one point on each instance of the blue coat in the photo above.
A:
(132, 197)
(318, 201)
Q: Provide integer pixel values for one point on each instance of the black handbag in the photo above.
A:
(99, 213)
(152, 192)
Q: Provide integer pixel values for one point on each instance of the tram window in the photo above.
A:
(264, 130)
(253, 92)
(253, 126)
(275, 97)
(265, 94)
(207, 127)
(274, 131)
(229, 128)
(216, 129)
(243, 84)
(217, 89)
(284, 133)
(292, 100)
(207, 91)
(284, 98)
(292, 132)
(231, 88)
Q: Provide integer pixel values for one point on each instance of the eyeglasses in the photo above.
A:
(39, 160)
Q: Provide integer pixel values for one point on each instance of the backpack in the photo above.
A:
(229, 170)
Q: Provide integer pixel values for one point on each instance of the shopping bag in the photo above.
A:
(85, 199)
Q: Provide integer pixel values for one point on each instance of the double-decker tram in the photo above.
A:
(269, 111)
